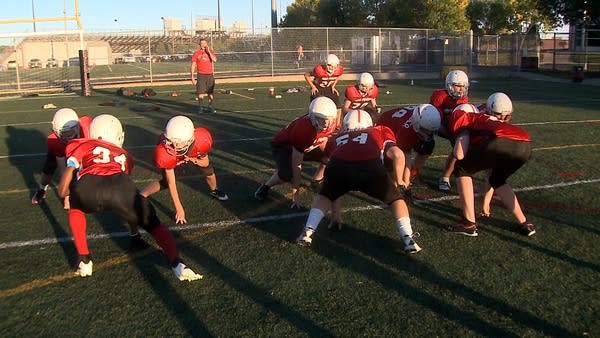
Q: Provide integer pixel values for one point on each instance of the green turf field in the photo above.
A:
(258, 282)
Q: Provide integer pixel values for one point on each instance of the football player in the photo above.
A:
(66, 125)
(180, 144)
(445, 100)
(323, 79)
(413, 127)
(483, 142)
(363, 95)
(301, 140)
(358, 157)
(101, 168)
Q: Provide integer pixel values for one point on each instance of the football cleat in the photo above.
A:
(218, 194)
(464, 228)
(444, 185)
(84, 269)
(183, 273)
(38, 197)
(335, 225)
(526, 228)
(410, 246)
(262, 192)
(305, 238)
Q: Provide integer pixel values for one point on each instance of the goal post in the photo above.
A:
(43, 61)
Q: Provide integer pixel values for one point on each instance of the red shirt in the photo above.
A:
(322, 78)
(445, 103)
(97, 157)
(204, 64)
(483, 127)
(358, 99)
(399, 121)
(301, 135)
(361, 145)
(164, 158)
(56, 147)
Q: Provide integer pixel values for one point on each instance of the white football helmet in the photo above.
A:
(356, 119)
(65, 124)
(107, 128)
(457, 78)
(426, 119)
(332, 62)
(365, 82)
(179, 134)
(467, 107)
(322, 112)
(499, 104)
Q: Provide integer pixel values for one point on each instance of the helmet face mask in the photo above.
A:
(332, 63)
(322, 112)
(107, 128)
(65, 124)
(365, 82)
(179, 135)
(425, 121)
(356, 120)
(457, 84)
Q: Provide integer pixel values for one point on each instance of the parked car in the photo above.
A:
(35, 63)
(51, 63)
(128, 58)
(12, 64)
(74, 61)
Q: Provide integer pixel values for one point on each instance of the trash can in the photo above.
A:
(577, 74)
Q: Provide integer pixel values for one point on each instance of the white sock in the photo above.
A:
(404, 228)
(314, 218)
(445, 179)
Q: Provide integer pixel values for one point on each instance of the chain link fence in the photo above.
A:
(158, 56)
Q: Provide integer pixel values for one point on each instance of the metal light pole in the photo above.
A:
(164, 27)
(33, 14)
(253, 17)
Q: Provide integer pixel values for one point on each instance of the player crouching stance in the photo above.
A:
(101, 168)
(357, 163)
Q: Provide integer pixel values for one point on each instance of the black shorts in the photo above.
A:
(283, 159)
(370, 177)
(205, 83)
(116, 193)
(503, 156)
(327, 92)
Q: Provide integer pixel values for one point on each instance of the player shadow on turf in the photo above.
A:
(29, 165)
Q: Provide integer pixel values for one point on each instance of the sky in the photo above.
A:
(127, 15)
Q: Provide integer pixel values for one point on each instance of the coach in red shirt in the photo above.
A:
(202, 65)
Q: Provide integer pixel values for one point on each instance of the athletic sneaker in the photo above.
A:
(84, 269)
(38, 197)
(526, 228)
(201, 110)
(262, 192)
(443, 185)
(305, 238)
(183, 273)
(410, 246)
(464, 228)
(137, 243)
(218, 194)
(211, 109)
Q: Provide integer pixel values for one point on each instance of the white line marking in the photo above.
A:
(267, 218)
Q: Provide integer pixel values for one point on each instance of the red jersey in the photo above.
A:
(97, 157)
(204, 64)
(445, 103)
(358, 99)
(165, 158)
(361, 145)
(56, 147)
(301, 135)
(399, 121)
(483, 127)
(322, 78)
